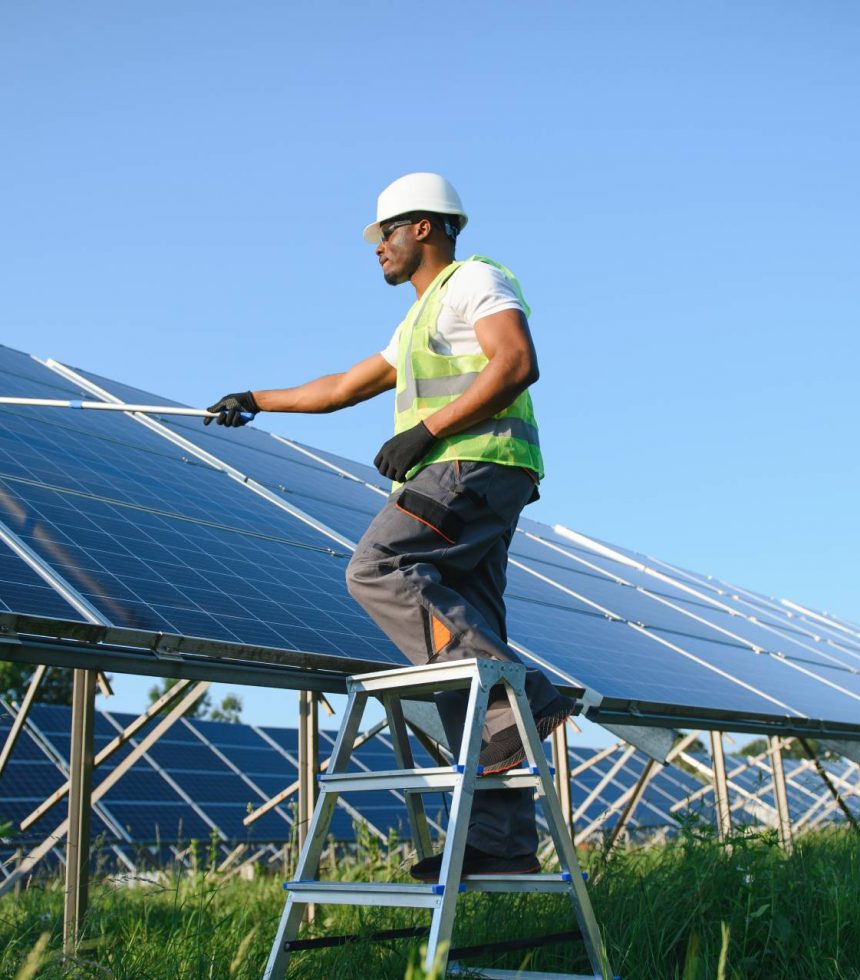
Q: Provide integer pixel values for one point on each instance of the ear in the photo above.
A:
(423, 230)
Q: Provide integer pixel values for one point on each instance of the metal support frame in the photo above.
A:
(479, 676)
(110, 780)
(561, 763)
(285, 794)
(619, 763)
(308, 760)
(80, 805)
(631, 804)
(721, 788)
(630, 799)
(829, 784)
(21, 716)
(780, 793)
(165, 701)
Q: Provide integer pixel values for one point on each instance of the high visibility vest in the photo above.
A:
(427, 381)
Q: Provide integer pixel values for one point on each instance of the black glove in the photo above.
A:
(403, 451)
(234, 409)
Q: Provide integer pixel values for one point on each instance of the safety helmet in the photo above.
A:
(415, 192)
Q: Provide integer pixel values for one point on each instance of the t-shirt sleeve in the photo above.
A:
(390, 352)
(478, 290)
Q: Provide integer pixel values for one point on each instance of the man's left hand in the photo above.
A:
(403, 451)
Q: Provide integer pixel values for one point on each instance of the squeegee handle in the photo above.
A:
(115, 407)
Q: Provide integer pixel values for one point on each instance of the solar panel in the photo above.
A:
(827, 681)
(158, 538)
(343, 503)
(199, 776)
(155, 543)
(22, 590)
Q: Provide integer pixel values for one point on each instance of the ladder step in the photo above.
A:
(454, 969)
(421, 780)
(436, 677)
(552, 883)
(366, 893)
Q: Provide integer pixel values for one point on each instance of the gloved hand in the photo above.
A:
(403, 451)
(231, 408)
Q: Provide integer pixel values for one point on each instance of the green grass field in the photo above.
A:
(692, 909)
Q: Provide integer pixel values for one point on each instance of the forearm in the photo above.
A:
(364, 380)
(323, 394)
(494, 389)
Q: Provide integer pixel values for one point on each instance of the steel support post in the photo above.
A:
(21, 717)
(80, 804)
(38, 852)
(308, 760)
(561, 762)
(165, 701)
(631, 804)
(721, 787)
(780, 793)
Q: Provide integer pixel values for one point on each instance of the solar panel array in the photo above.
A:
(202, 777)
(753, 798)
(240, 535)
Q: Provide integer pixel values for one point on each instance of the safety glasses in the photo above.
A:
(386, 229)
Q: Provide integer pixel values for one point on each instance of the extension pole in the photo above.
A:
(113, 407)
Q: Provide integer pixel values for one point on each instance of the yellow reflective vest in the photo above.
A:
(427, 381)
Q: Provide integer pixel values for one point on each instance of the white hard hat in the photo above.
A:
(416, 192)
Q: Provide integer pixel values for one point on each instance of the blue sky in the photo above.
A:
(183, 189)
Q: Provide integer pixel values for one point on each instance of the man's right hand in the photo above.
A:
(233, 410)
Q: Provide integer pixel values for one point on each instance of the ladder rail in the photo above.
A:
(403, 757)
(309, 858)
(442, 926)
(463, 780)
(588, 927)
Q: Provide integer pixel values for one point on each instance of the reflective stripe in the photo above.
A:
(511, 438)
(407, 396)
(506, 428)
(452, 384)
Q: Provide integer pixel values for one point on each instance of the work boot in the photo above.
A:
(477, 862)
(505, 750)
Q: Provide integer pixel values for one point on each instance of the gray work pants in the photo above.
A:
(431, 572)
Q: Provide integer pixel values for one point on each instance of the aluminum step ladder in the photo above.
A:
(463, 780)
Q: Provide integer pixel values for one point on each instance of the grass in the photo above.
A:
(688, 910)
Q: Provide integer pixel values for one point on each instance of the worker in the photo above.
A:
(465, 460)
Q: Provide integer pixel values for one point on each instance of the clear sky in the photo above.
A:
(183, 188)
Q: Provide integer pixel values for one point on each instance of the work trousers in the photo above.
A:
(431, 572)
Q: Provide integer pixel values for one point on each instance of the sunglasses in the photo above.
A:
(385, 231)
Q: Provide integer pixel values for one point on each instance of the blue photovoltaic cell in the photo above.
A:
(743, 601)
(637, 606)
(343, 504)
(811, 695)
(748, 605)
(667, 787)
(161, 541)
(145, 805)
(613, 660)
(23, 591)
(156, 543)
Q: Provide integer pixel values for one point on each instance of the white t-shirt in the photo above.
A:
(474, 291)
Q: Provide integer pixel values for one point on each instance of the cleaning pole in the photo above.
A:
(114, 407)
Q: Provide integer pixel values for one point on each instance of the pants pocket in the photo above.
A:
(431, 513)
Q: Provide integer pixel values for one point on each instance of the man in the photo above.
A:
(465, 460)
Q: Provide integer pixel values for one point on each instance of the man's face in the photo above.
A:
(399, 252)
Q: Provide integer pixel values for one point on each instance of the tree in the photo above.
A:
(230, 708)
(199, 709)
(56, 686)
(758, 746)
